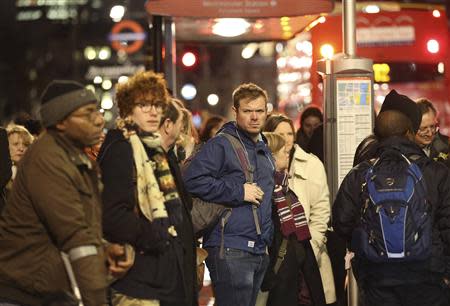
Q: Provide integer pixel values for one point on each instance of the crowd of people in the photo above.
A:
(105, 218)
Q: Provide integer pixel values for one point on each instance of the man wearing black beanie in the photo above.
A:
(393, 102)
(54, 207)
(402, 259)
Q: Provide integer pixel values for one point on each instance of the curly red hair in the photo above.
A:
(144, 85)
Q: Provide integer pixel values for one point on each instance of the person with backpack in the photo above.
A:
(237, 245)
(394, 212)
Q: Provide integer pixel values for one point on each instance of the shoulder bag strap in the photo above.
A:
(248, 171)
(281, 253)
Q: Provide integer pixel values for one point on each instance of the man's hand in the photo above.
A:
(120, 259)
(253, 194)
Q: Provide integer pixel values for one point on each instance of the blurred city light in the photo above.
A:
(436, 13)
(188, 91)
(104, 53)
(122, 79)
(106, 84)
(107, 102)
(90, 87)
(441, 68)
(90, 53)
(98, 79)
(230, 27)
(117, 13)
(108, 116)
(189, 59)
(279, 47)
(372, 9)
(433, 46)
(213, 99)
(327, 51)
(249, 50)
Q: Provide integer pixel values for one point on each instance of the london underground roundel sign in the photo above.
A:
(127, 35)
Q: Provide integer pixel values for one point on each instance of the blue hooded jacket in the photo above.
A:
(215, 175)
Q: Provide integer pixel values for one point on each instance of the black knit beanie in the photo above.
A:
(403, 104)
(61, 98)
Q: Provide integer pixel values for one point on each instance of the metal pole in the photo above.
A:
(157, 43)
(170, 55)
(349, 27)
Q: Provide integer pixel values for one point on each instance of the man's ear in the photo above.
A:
(61, 126)
(410, 135)
(235, 110)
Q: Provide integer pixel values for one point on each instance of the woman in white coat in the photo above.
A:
(309, 182)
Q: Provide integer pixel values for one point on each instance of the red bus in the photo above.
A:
(408, 43)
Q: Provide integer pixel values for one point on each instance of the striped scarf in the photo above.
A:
(290, 210)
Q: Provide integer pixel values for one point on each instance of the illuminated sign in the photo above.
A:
(127, 35)
(238, 8)
(381, 73)
(386, 35)
(30, 3)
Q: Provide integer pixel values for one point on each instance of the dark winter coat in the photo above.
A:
(186, 233)
(5, 165)
(440, 148)
(346, 215)
(215, 175)
(284, 286)
(157, 272)
(54, 206)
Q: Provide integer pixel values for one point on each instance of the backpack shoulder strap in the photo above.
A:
(239, 150)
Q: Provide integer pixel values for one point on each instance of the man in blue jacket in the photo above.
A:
(215, 175)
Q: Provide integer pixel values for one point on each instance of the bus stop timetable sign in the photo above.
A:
(354, 113)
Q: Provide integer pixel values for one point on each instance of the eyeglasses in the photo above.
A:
(424, 130)
(147, 106)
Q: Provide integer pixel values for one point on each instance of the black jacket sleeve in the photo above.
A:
(347, 206)
(442, 213)
(5, 160)
(121, 222)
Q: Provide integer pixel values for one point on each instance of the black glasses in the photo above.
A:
(424, 130)
(147, 106)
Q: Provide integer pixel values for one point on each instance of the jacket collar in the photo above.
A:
(232, 129)
(298, 166)
(76, 155)
(402, 144)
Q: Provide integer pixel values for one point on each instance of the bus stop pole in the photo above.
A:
(349, 27)
(349, 43)
(348, 109)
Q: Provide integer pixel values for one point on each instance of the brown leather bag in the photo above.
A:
(201, 256)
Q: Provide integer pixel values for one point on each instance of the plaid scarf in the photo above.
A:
(289, 209)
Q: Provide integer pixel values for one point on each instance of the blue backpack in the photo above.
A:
(395, 223)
